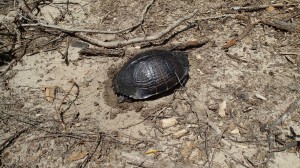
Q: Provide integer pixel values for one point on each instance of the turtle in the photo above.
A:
(150, 73)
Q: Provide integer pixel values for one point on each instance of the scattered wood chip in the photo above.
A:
(168, 122)
(235, 131)
(180, 133)
(77, 155)
(241, 146)
(226, 142)
(222, 107)
(38, 115)
(260, 96)
(270, 9)
(50, 93)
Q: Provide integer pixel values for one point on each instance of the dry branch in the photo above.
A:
(120, 52)
(71, 30)
(120, 43)
(281, 25)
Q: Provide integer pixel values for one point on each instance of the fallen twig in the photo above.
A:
(100, 51)
(295, 106)
(184, 45)
(120, 43)
(255, 164)
(39, 51)
(256, 8)
(285, 147)
(71, 30)
(281, 25)
(65, 54)
(235, 57)
(291, 144)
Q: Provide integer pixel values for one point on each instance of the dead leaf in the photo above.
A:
(270, 9)
(77, 155)
(260, 96)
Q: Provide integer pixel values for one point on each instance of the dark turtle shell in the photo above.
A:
(150, 73)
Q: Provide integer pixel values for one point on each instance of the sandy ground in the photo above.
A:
(257, 79)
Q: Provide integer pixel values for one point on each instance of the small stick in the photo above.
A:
(206, 146)
(139, 160)
(256, 8)
(211, 161)
(58, 110)
(286, 147)
(100, 52)
(281, 25)
(65, 54)
(295, 106)
(288, 53)
(39, 51)
(235, 57)
(186, 45)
